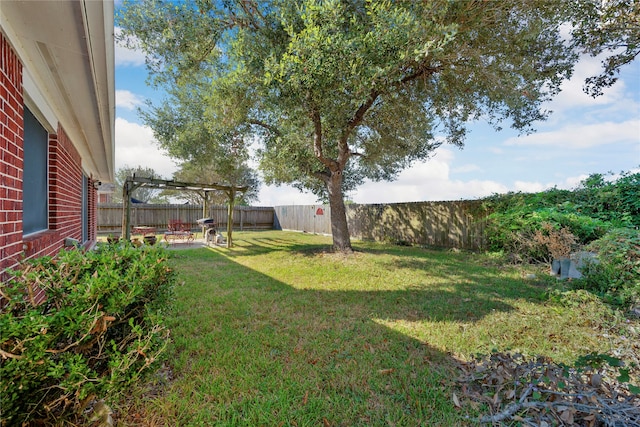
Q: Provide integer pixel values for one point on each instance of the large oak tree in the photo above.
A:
(339, 91)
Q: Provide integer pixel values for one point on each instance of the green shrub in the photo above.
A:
(513, 231)
(616, 275)
(587, 212)
(99, 328)
(611, 201)
(615, 201)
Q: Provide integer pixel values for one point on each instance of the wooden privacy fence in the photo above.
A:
(440, 224)
(158, 216)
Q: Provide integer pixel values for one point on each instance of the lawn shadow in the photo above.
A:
(246, 343)
(468, 291)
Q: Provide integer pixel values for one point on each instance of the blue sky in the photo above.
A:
(582, 136)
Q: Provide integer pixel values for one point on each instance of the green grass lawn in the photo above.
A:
(279, 332)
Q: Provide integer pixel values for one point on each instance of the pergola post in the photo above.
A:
(205, 206)
(205, 210)
(129, 185)
(232, 196)
(126, 211)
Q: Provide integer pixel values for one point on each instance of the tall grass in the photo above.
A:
(279, 332)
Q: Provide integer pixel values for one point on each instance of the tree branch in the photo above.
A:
(266, 126)
(324, 177)
(317, 140)
(343, 147)
(422, 71)
(7, 355)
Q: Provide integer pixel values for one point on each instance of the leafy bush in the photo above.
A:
(616, 275)
(587, 212)
(611, 201)
(615, 201)
(513, 231)
(98, 329)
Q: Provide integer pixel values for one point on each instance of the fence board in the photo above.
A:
(157, 215)
(307, 218)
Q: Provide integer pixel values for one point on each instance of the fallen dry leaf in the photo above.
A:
(456, 401)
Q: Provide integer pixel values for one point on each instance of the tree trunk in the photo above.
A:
(339, 227)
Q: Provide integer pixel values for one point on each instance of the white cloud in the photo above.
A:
(432, 190)
(135, 146)
(573, 95)
(127, 57)
(427, 181)
(581, 136)
(467, 168)
(573, 181)
(617, 103)
(127, 99)
(283, 195)
(530, 187)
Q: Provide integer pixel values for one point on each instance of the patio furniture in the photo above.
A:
(178, 230)
(143, 230)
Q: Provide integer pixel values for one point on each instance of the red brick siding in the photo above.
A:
(11, 155)
(65, 178)
(65, 187)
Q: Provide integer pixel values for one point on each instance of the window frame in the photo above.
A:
(35, 181)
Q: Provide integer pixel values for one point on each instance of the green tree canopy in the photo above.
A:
(207, 174)
(612, 28)
(339, 91)
(143, 194)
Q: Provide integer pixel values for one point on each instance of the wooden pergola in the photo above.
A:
(134, 182)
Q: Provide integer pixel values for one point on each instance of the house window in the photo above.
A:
(35, 205)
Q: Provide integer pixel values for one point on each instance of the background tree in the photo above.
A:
(339, 91)
(191, 130)
(143, 194)
(207, 174)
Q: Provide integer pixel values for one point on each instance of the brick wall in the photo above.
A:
(65, 187)
(11, 155)
(65, 178)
